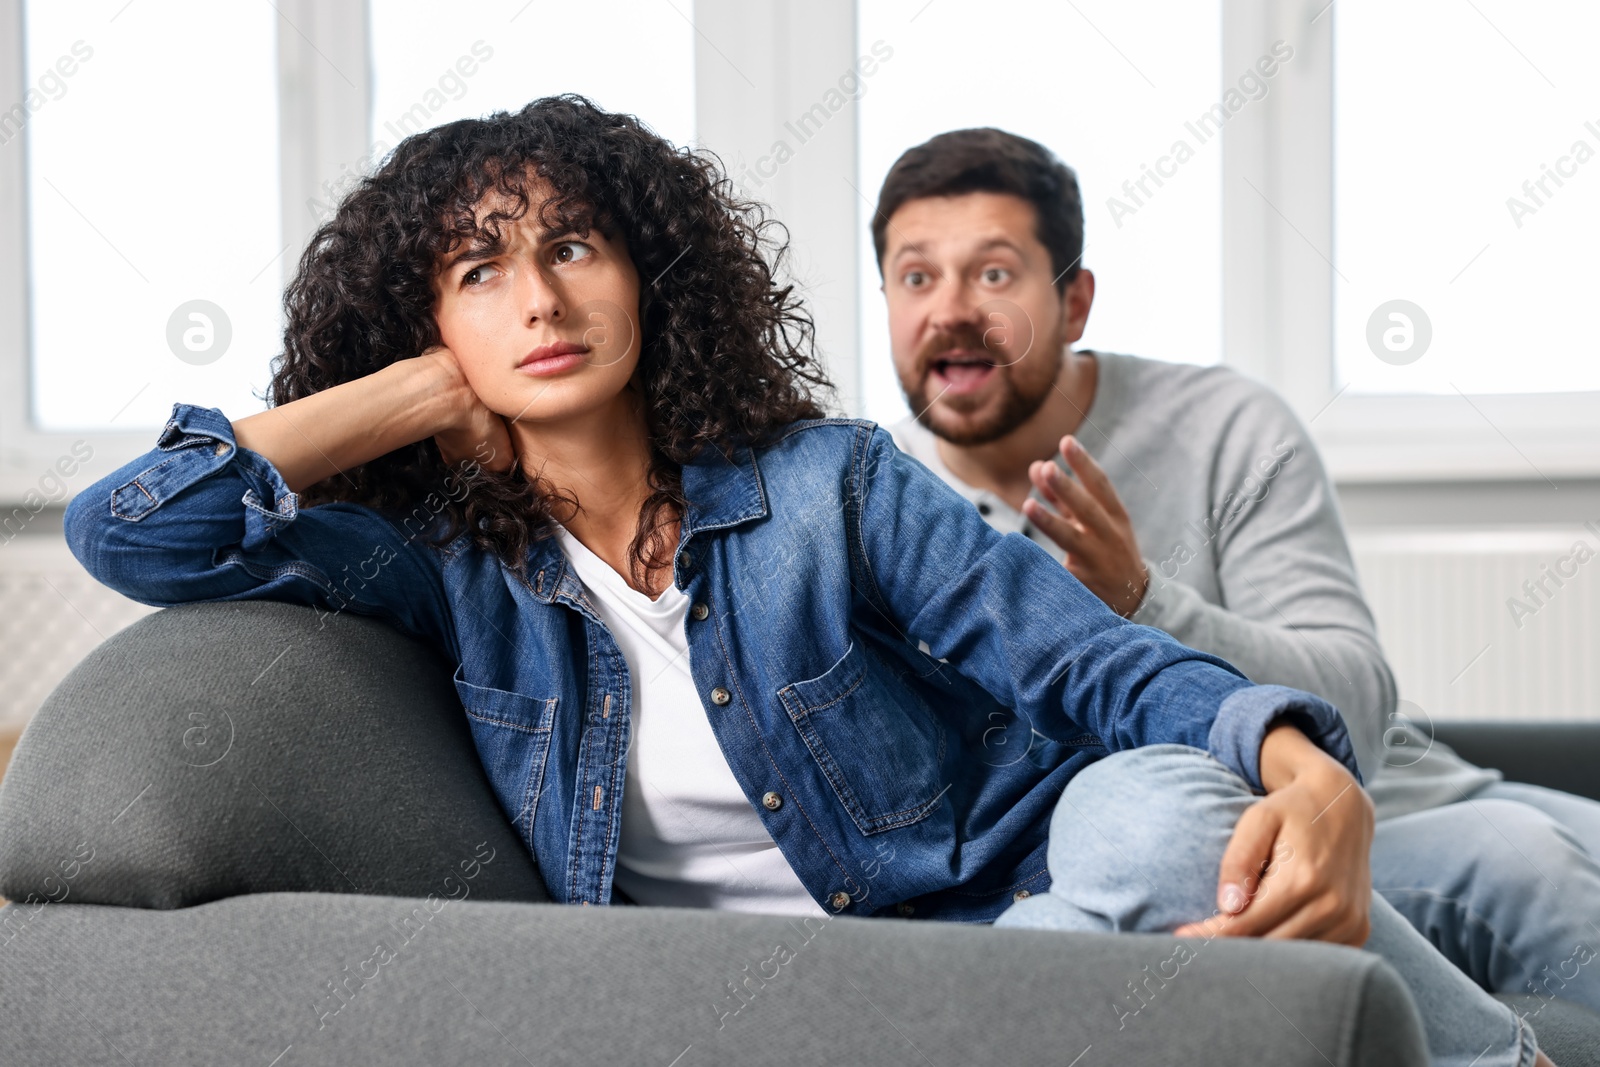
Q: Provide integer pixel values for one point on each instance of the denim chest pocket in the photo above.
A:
(876, 741)
(512, 734)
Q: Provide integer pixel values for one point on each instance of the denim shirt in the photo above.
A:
(901, 691)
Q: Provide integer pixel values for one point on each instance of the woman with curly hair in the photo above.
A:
(545, 404)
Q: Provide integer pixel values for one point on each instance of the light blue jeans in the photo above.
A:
(1136, 844)
(1506, 884)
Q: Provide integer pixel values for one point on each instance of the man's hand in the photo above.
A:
(1093, 527)
(1313, 830)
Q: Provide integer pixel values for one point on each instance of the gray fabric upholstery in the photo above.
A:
(247, 980)
(219, 749)
(1558, 755)
(238, 751)
(1568, 1033)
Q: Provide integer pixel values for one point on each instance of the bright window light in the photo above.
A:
(434, 63)
(154, 234)
(1466, 196)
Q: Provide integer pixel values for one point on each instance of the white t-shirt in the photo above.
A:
(690, 837)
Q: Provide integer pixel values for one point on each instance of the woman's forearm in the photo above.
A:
(347, 425)
(1322, 642)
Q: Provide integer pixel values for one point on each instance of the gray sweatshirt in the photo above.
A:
(1240, 532)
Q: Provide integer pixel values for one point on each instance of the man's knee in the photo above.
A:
(1483, 853)
(1501, 888)
(1139, 836)
(1525, 831)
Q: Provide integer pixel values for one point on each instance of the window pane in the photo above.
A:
(154, 235)
(433, 63)
(1111, 88)
(1467, 183)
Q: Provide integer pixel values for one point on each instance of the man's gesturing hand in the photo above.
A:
(1315, 827)
(1092, 526)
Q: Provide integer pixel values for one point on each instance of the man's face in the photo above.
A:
(976, 324)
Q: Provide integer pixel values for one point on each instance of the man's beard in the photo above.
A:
(1016, 407)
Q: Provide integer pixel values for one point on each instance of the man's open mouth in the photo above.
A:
(963, 372)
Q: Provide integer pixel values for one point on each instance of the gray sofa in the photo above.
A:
(241, 833)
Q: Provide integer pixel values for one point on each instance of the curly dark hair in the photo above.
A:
(727, 350)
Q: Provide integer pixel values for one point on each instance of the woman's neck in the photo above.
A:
(602, 460)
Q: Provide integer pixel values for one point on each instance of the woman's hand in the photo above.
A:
(475, 432)
(1298, 865)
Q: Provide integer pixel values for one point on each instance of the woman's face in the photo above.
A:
(545, 323)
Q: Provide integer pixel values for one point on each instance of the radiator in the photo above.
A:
(1488, 624)
(52, 614)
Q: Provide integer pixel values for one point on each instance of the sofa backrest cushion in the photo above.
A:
(213, 750)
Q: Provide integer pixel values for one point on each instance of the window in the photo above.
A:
(434, 63)
(1374, 269)
(153, 229)
(1092, 83)
(161, 165)
(1466, 183)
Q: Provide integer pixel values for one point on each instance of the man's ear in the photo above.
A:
(1076, 300)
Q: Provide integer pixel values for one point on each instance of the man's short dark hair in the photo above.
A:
(987, 160)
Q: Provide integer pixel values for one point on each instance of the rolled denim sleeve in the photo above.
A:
(1245, 715)
(198, 518)
(1005, 614)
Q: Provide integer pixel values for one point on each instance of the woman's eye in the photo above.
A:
(572, 251)
(477, 275)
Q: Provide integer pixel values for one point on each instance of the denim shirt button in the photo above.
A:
(839, 899)
(905, 909)
(772, 801)
(1021, 894)
(700, 611)
(687, 558)
(720, 695)
(221, 449)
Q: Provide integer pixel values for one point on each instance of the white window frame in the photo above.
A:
(1278, 292)
(757, 66)
(324, 94)
(1278, 255)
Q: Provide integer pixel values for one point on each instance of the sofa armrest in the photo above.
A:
(1558, 755)
(218, 749)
